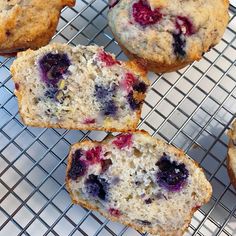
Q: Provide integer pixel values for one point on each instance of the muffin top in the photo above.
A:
(166, 31)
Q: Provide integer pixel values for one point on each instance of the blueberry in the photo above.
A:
(51, 92)
(78, 166)
(171, 176)
(140, 87)
(103, 93)
(179, 45)
(104, 96)
(148, 201)
(134, 104)
(96, 187)
(110, 108)
(53, 66)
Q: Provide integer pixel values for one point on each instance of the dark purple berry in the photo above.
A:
(96, 187)
(144, 15)
(53, 66)
(104, 96)
(148, 201)
(101, 92)
(134, 104)
(51, 92)
(140, 87)
(110, 108)
(171, 175)
(179, 45)
(105, 163)
(78, 166)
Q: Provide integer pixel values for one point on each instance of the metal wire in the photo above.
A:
(191, 109)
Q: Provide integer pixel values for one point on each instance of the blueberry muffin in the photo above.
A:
(166, 35)
(78, 88)
(231, 159)
(28, 23)
(138, 181)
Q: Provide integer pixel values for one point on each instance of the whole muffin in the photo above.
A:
(28, 23)
(166, 35)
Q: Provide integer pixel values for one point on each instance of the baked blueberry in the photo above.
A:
(134, 104)
(171, 175)
(51, 92)
(110, 108)
(148, 201)
(78, 166)
(53, 66)
(140, 87)
(101, 92)
(179, 44)
(97, 187)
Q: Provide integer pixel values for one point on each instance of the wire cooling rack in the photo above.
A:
(191, 108)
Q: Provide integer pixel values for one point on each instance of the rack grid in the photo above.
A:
(191, 109)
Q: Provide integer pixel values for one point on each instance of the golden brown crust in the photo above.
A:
(229, 160)
(160, 231)
(30, 26)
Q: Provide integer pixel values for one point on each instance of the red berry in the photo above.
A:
(93, 155)
(114, 212)
(123, 140)
(144, 15)
(107, 59)
(89, 121)
(128, 81)
(17, 86)
(184, 26)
